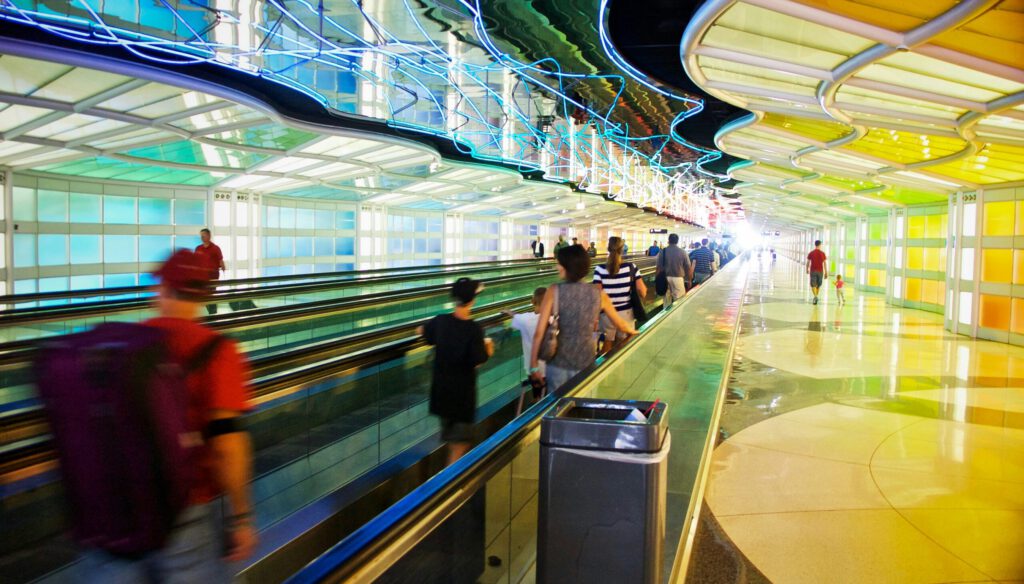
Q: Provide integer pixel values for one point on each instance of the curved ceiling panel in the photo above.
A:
(862, 105)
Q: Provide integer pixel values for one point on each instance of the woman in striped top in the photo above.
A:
(614, 278)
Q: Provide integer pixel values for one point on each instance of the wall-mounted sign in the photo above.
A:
(659, 231)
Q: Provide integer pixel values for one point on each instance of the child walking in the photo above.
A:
(526, 324)
(839, 288)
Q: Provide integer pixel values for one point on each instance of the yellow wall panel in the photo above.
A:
(876, 255)
(1020, 219)
(850, 272)
(932, 260)
(996, 265)
(913, 289)
(995, 312)
(916, 226)
(930, 292)
(876, 278)
(999, 219)
(1018, 266)
(1017, 323)
(935, 226)
(915, 258)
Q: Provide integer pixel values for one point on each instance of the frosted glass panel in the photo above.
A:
(287, 218)
(53, 250)
(344, 246)
(187, 241)
(24, 250)
(119, 210)
(970, 219)
(154, 248)
(189, 212)
(119, 249)
(967, 264)
(323, 246)
(154, 211)
(965, 307)
(85, 208)
(304, 219)
(53, 284)
(222, 213)
(85, 249)
(86, 282)
(324, 220)
(118, 280)
(345, 220)
(24, 204)
(53, 206)
(303, 246)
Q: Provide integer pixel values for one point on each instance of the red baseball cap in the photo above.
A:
(184, 273)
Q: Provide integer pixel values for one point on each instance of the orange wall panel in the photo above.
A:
(996, 265)
(994, 312)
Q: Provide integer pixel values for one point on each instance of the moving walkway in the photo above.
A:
(331, 407)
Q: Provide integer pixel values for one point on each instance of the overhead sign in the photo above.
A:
(659, 231)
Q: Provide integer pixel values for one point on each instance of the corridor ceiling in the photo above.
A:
(859, 106)
(82, 122)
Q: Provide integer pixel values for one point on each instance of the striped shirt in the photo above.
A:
(617, 286)
(704, 258)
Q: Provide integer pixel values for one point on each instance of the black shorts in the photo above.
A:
(816, 279)
(452, 431)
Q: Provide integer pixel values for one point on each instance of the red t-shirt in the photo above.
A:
(211, 257)
(223, 384)
(817, 259)
(839, 283)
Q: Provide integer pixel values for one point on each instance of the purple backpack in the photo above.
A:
(116, 403)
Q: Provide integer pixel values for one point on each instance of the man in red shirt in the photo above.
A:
(212, 260)
(816, 268)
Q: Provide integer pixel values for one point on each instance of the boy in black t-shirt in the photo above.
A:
(460, 347)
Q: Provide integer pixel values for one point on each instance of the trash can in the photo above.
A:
(603, 468)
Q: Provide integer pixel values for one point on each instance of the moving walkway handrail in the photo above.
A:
(355, 274)
(14, 351)
(396, 530)
(349, 275)
(95, 308)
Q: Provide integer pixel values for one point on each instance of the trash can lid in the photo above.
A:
(605, 424)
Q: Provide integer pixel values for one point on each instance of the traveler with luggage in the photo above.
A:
(144, 472)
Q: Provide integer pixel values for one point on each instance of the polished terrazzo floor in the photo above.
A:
(864, 443)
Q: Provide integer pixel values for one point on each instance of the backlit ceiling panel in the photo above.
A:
(425, 67)
(82, 122)
(859, 106)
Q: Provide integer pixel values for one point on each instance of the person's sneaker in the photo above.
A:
(815, 301)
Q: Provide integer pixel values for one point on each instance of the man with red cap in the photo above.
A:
(205, 538)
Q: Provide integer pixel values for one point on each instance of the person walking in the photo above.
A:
(562, 244)
(654, 249)
(576, 306)
(150, 510)
(839, 288)
(675, 264)
(538, 247)
(616, 279)
(459, 348)
(592, 250)
(704, 263)
(816, 269)
(526, 324)
(212, 260)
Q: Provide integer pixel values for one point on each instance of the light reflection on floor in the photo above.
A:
(868, 444)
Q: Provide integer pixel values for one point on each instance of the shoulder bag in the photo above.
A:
(549, 344)
(635, 302)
